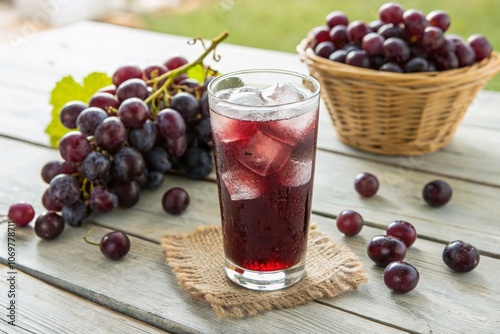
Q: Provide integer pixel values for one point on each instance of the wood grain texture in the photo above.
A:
(44, 308)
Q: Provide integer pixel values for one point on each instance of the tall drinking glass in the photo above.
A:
(264, 129)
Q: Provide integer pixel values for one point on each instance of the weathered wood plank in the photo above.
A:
(142, 286)
(44, 308)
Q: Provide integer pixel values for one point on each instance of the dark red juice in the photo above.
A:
(265, 176)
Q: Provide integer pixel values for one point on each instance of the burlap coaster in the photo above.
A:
(197, 260)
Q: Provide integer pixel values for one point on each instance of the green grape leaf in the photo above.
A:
(66, 90)
(200, 72)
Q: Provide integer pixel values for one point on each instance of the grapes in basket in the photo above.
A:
(399, 40)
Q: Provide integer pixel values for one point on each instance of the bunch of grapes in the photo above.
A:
(150, 122)
(403, 41)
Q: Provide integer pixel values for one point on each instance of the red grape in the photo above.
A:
(175, 62)
(111, 134)
(125, 73)
(366, 184)
(396, 50)
(175, 201)
(437, 193)
(69, 113)
(49, 225)
(403, 231)
(338, 36)
(356, 31)
(350, 222)
(373, 44)
(383, 250)
(461, 256)
(439, 18)
(132, 88)
(115, 245)
(21, 213)
(133, 112)
(481, 46)
(324, 49)
(358, 58)
(105, 101)
(74, 147)
(336, 18)
(391, 13)
(401, 277)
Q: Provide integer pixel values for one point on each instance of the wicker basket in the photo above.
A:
(394, 113)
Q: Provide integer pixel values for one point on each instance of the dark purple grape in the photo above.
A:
(128, 164)
(373, 44)
(96, 166)
(437, 193)
(189, 83)
(339, 56)
(125, 73)
(115, 245)
(49, 202)
(74, 147)
(338, 36)
(383, 250)
(391, 13)
(324, 49)
(415, 24)
(351, 47)
(358, 58)
(465, 54)
(336, 18)
(439, 18)
(187, 105)
(69, 113)
(350, 222)
(133, 112)
(132, 88)
(105, 101)
(155, 179)
(416, 64)
(197, 163)
(391, 67)
(64, 189)
(175, 62)
(366, 184)
(432, 39)
(49, 225)
(401, 277)
(377, 62)
(111, 89)
(375, 25)
(390, 30)
(154, 71)
(356, 31)
(170, 123)
(417, 50)
(481, 46)
(445, 61)
(205, 111)
(402, 230)
(461, 256)
(177, 147)
(158, 160)
(143, 138)
(202, 131)
(396, 50)
(447, 47)
(175, 201)
(102, 199)
(111, 134)
(128, 193)
(55, 167)
(90, 119)
(74, 214)
(21, 213)
(180, 78)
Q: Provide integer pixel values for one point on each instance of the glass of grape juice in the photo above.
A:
(264, 129)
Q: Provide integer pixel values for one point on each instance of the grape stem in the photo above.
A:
(90, 242)
(172, 74)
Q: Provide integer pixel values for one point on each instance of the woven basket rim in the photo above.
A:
(485, 68)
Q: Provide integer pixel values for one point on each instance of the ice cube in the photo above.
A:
(228, 130)
(247, 96)
(295, 173)
(281, 93)
(291, 131)
(242, 184)
(264, 155)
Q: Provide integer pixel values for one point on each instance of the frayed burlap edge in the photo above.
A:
(197, 261)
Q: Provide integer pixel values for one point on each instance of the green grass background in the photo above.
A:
(281, 24)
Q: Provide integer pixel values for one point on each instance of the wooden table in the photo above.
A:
(66, 286)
